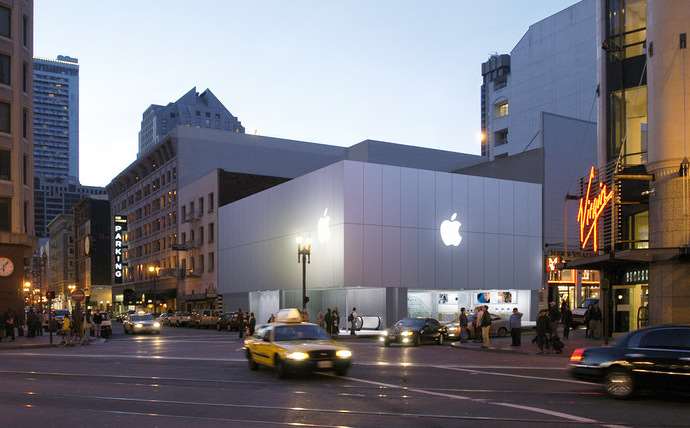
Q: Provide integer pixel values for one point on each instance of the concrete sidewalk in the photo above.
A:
(576, 340)
(23, 342)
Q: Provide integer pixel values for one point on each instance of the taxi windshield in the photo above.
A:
(148, 317)
(299, 332)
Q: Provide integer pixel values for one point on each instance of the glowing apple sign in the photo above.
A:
(324, 227)
(450, 231)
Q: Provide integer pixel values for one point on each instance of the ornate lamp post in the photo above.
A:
(304, 257)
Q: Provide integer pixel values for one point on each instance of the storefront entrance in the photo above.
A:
(629, 304)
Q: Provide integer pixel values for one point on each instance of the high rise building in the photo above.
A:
(56, 117)
(192, 109)
(552, 69)
(16, 151)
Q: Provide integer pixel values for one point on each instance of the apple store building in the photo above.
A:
(387, 240)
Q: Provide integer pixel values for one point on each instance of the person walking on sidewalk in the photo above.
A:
(554, 317)
(543, 330)
(336, 322)
(352, 319)
(515, 325)
(66, 331)
(595, 322)
(9, 324)
(241, 325)
(252, 324)
(97, 320)
(328, 319)
(567, 320)
(486, 327)
(463, 322)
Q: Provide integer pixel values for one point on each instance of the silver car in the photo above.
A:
(144, 323)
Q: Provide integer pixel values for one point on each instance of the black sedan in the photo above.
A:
(415, 331)
(652, 358)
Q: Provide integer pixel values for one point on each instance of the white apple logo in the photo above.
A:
(450, 231)
(324, 227)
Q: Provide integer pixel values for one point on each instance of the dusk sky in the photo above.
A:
(332, 72)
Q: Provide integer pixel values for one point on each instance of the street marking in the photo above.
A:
(208, 418)
(561, 415)
(309, 410)
(579, 382)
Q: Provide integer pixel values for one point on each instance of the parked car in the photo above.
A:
(499, 327)
(144, 323)
(656, 358)
(207, 318)
(579, 312)
(415, 331)
(227, 321)
(179, 319)
(164, 318)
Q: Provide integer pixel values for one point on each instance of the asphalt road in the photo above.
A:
(189, 377)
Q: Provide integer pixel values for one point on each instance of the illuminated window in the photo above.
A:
(501, 108)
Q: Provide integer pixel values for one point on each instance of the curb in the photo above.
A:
(458, 345)
(29, 346)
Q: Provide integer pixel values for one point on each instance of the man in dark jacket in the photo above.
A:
(252, 324)
(554, 317)
(464, 322)
(543, 330)
(328, 319)
(515, 326)
(567, 320)
(241, 325)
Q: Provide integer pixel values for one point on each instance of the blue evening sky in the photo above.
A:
(332, 72)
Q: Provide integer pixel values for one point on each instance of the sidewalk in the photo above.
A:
(23, 342)
(577, 340)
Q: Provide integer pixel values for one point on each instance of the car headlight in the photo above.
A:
(406, 333)
(343, 353)
(156, 325)
(384, 333)
(138, 325)
(298, 356)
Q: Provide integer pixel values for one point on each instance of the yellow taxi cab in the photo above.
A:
(290, 345)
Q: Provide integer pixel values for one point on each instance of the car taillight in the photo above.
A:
(578, 355)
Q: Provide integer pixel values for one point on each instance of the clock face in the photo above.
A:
(6, 266)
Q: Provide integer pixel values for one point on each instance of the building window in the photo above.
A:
(201, 263)
(198, 113)
(201, 206)
(191, 209)
(211, 202)
(25, 30)
(25, 170)
(5, 214)
(501, 108)
(25, 123)
(501, 137)
(25, 77)
(5, 118)
(184, 237)
(5, 22)
(184, 212)
(5, 69)
(5, 165)
(211, 232)
(211, 262)
(26, 217)
(201, 235)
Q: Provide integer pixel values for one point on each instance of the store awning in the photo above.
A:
(609, 261)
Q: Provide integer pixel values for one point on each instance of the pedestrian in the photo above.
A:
(463, 322)
(336, 321)
(587, 317)
(486, 328)
(515, 325)
(31, 323)
(320, 319)
(352, 319)
(543, 330)
(97, 320)
(595, 322)
(567, 320)
(66, 331)
(554, 317)
(564, 305)
(241, 325)
(252, 324)
(477, 328)
(9, 324)
(328, 319)
(2, 326)
(272, 319)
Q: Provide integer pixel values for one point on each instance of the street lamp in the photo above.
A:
(304, 257)
(153, 270)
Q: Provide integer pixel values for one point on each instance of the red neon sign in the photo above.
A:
(591, 208)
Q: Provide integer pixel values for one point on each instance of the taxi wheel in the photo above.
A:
(252, 364)
(281, 368)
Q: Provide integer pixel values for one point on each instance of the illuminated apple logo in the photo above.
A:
(450, 231)
(324, 227)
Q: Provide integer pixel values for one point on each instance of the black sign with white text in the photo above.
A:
(120, 230)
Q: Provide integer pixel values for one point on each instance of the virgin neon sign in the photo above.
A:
(591, 208)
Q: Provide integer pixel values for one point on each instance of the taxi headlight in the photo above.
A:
(138, 325)
(343, 353)
(298, 356)
(156, 325)
(406, 333)
(384, 333)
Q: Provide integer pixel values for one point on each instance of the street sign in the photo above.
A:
(78, 295)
